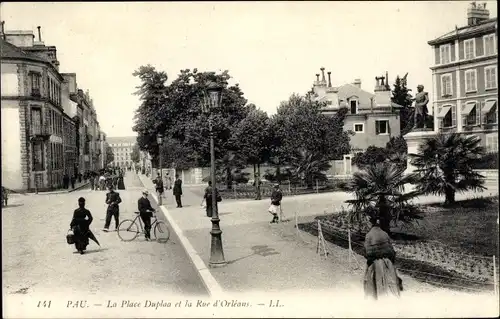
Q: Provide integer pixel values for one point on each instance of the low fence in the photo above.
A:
(287, 187)
(437, 274)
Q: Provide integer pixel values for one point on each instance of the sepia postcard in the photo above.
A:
(263, 159)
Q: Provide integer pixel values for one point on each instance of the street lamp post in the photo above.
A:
(159, 139)
(212, 99)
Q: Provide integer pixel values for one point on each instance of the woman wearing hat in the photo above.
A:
(82, 218)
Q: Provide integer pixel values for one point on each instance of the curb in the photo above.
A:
(63, 192)
(212, 286)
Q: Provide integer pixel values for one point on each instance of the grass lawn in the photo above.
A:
(470, 226)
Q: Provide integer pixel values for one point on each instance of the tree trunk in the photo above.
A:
(257, 183)
(229, 178)
(278, 173)
(449, 196)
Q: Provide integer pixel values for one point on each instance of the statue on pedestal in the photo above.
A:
(420, 109)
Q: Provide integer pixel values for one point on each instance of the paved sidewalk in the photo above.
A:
(272, 258)
(78, 186)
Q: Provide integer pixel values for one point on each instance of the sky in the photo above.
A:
(272, 49)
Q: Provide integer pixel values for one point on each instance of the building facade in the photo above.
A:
(465, 78)
(122, 150)
(372, 117)
(89, 149)
(39, 127)
(33, 118)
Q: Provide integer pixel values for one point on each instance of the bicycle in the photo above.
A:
(129, 226)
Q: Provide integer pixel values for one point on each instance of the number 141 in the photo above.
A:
(44, 304)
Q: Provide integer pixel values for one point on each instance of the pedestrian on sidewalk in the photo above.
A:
(275, 207)
(178, 191)
(207, 197)
(168, 184)
(113, 200)
(146, 212)
(66, 181)
(381, 278)
(73, 181)
(92, 181)
(158, 185)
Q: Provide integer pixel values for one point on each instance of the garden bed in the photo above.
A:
(454, 252)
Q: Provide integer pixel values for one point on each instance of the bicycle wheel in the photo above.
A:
(128, 230)
(161, 231)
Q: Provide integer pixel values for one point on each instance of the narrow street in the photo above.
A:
(37, 259)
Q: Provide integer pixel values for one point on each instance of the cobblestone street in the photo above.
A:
(37, 259)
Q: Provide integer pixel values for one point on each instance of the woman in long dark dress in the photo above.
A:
(207, 197)
(381, 278)
(82, 218)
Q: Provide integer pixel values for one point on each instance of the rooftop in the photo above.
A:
(486, 26)
(10, 51)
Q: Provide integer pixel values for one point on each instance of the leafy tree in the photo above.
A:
(110, 156)
(401, 96)
(395, 151)
(176, 112)
(305, 139)
(445, 165)
(379, 191)
(149, 117)
(135, 156)
(371, 156)
(252, 137)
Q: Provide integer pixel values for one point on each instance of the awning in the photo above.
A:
(468, 108)
(444, 111)
(488, 106)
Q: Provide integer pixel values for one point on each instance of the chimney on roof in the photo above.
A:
(323, 75)
(317, 77)
(3, 30)
(357, 83)
(39, 34)
(329, 79)
(477, 13)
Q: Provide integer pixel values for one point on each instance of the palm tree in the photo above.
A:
(309, 166)
(379, 190)
(444, 165)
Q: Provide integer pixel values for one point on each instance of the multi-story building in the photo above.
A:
(33, 119)
(465, 78)
(89, 139)
(122, 150)
(372, 117)
(102, 148)
(40, 121)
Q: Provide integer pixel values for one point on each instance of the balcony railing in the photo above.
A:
(35, 92)
(39, 132)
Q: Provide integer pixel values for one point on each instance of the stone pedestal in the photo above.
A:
(414, 139)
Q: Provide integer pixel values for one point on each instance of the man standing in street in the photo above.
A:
(178, 191)
(113, 200)
(146, 212)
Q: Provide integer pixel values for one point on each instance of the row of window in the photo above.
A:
(473, 113)
(490, 81)
(54, 88)
(123, 158)
(381, 127)
(469, 49)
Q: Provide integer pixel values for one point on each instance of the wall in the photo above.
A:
(11, 146)
(10, 81)
(480, 81)
(368, 137)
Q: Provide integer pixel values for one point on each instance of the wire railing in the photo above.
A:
(321, 227)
